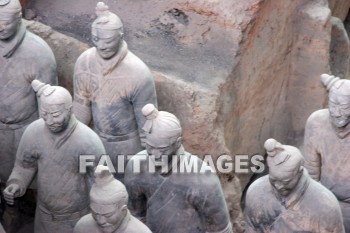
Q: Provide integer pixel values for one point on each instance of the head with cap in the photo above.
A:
(107, 32)
(285, 166)
(338, 99)
(108, 200)
(10, 18)
(55, 105)
(163, 132)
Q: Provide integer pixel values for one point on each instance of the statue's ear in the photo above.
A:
(178, 142)
(301, 169)
(70, 108)
(124, 209)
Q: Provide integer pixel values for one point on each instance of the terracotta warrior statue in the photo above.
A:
(173, 200)
(111, 85)
(51, 147)
(23, 58)
(109, 211)
(327, 143)
(287, 199)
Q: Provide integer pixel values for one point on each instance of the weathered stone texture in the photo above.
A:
(235, 72)
(339, 8)
(65, 49)
(339, 49)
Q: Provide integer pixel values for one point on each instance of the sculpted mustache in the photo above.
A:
(54, 125)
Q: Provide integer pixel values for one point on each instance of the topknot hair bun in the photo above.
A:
(150, 111)
(272, 146)
(328, 80)
(101, 9)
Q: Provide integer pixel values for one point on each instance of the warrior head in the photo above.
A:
(338, 99)
(163, 132)
(107, 32)
(55, 105)
(285, 166)
(10, 18)
(108, 200)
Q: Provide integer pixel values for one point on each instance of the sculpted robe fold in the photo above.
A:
(327, 157)
(175, 202)
(24, 58)
(309, 208)
(63, 193)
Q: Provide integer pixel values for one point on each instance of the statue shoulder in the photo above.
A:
(85, 58)
(329, 213)
(319, 117)
(87, 137)
(136, 65)
(259, 189)
(140, 158)
(36, 126)
(136, 226)
(86, 224)
(318, 192)
(38, 47)
(85, 132)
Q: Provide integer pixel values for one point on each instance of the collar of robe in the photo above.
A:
(173, 165)
(124, 224)
(60, 138)
(342, 132)
(107, 66)
(7, 48)
(294, 197)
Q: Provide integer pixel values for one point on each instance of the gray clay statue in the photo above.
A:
(111, 85)
(23, 58)
(171, 200)
(287, 199)
(109, 211)
(327, 143)
(51, 146)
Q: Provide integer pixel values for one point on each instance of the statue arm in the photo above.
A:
(331, 219)
(211, 206)
(97, 149)
(250, 210)
(137, 199)
(311, 154)
(145, 93)
(47, 70)
(82, 103)
(25, 164)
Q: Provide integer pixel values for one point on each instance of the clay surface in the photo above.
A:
(51, 147)
(232, 71)
(287, 199)
(165, 196)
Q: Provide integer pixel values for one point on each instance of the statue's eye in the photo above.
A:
(95, 39)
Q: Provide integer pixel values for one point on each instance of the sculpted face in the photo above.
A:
(339, 109)
(56, 116)
(9, 24)
(157, 148)
(284, 180)
(109, 221)
(107, 42)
